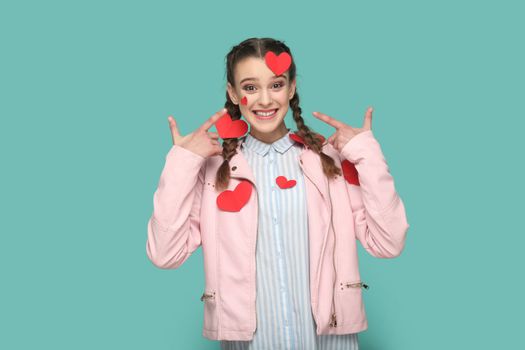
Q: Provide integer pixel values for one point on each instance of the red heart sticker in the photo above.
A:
(278, 64)
(350, 172)
(244, 101)
(299, 139)
(282, 182)
(234, 200)
(229, 128)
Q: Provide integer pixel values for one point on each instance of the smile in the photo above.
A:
(265, 115)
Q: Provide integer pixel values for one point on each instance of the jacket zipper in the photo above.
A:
(333, 317)
(255, 240)
(333, 321)
(356, 285)
(255, 252)
(308, 176)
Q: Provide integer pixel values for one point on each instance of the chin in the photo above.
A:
(266, 126)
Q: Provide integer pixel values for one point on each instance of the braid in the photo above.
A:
(311, 139)
(229, 148)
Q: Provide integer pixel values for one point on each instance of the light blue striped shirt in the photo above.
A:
(284, 314)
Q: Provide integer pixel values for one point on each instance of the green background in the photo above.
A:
(85, 92)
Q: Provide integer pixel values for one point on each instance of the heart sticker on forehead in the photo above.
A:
(278, 64)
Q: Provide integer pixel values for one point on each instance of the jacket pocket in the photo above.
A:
(351, 305)
(210, 310)
(356, 284)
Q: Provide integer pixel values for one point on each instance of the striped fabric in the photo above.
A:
(284, 316)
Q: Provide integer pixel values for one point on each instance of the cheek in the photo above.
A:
(282, 97)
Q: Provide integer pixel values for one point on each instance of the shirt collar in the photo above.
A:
(281, 145)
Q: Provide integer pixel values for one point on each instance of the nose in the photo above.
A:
(265, 99)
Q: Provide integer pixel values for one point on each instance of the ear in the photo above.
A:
(232, 94)
(292, 90)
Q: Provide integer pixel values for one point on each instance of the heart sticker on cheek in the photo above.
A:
(278, 64)
(229, 128)
(244, 101)
(350, 172)
(282, 182)
(234, 200)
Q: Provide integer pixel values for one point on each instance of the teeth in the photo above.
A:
(265, 114)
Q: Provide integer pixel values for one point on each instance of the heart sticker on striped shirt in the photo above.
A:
(283, 182)
(350, 172)
(234, 200)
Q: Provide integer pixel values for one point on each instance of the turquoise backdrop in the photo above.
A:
(85, 92)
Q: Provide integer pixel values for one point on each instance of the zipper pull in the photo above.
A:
(207, 296)
(357, 284)
(333, 322)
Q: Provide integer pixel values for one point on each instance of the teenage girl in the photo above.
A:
(261, 86)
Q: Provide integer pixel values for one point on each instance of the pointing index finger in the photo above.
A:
(327, 119)
(210, 121)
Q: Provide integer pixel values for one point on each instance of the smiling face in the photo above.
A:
(265, 92)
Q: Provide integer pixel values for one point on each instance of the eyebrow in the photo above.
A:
(279, 76)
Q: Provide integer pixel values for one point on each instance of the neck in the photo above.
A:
(271, 136)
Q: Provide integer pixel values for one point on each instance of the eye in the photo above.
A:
(246, 87)
(279, 84)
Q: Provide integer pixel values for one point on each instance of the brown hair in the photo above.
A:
(257, 47)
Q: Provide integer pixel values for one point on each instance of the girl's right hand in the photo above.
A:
(202, 142)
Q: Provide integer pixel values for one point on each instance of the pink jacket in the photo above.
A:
(186, 216)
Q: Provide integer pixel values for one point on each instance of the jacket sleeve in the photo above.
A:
(379, 213)
(173, 228)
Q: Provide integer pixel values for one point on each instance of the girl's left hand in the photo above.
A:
(344, 132)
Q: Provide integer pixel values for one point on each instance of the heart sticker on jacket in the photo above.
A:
(229, 128)
(278, 64)
(299, 139)
(282, 182)
(234, 200)
(350, 172)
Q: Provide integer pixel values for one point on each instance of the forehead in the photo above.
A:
(253, 67)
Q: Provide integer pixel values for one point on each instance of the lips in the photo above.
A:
(265, 117)
(264, 110)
